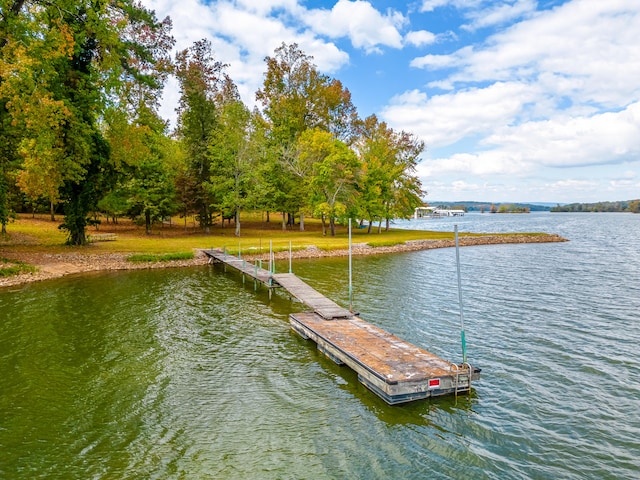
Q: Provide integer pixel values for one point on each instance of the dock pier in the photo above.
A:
(392, 368)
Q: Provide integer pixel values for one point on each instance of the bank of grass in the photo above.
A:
(384, 243)
(167, 257)
(9, 268)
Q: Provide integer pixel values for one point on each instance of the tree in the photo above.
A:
(202, 87)
(75, 56)
(296, 98)
(335, 171)
(389, 189)
(232, 158)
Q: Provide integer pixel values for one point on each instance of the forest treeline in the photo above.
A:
(620, 206)
(80, 88)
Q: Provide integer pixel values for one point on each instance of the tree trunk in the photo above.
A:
(370, 225)
(324, 226)
(237, 222)
(147, 222)
(4, 229)
(332, 225)
(53, 215)
(284, 222)
(301, 222)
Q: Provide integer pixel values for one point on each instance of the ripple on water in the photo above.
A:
(189, 374)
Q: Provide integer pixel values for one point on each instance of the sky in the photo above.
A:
(516, 100)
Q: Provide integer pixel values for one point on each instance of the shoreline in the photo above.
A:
(51, 266)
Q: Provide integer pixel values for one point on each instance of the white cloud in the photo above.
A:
(431, 5)
(243, 34)
(366, 27)
(499, 14)
(420, 38)
(443, 120)
(603, 139)
(554, 95)
(594, 46)
(265, 7)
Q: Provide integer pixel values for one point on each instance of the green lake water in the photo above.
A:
(190, 373)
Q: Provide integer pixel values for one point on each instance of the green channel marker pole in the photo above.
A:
(271, 265)
(462, 336)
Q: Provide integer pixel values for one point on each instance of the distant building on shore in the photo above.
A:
(435, 212)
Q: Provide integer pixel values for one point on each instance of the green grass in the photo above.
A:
(9, 268)
(38, 235)
(167, 257)
(385, 243)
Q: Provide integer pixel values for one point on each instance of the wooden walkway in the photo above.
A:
(320, 304)
(247, 268)
(394, 369)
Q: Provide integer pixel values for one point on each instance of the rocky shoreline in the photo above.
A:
(50, 266)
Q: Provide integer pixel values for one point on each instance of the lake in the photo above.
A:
(189, 373)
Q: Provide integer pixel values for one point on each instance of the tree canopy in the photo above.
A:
(62, 66)
(80, 88)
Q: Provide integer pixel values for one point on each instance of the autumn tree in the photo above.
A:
(335, 170)
(63, 63)
(388, 187)
(233, 151)
(296, 97)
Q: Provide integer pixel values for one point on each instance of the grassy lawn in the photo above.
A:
(29, 237)
(39, 234)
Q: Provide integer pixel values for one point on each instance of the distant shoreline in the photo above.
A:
(57, 265)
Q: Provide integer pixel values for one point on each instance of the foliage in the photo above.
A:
(388, 187)
(335, 169)
(511, 208)
(61, 64)
(232, 152)
(298, 98)
(619, 206)
(167, 257)
(203, 87)
(80, 84)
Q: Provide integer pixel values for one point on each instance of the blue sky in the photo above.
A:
(516, 100)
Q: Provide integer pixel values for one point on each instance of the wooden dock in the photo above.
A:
(320, 304)
(394, 369)
(246, 268)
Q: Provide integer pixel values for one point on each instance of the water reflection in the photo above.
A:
(189, 374)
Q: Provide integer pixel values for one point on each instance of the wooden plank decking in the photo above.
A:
(326, 308)
(247, 268)
(394, 369)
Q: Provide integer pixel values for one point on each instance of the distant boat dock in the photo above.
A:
(435, 212)
(392, 368)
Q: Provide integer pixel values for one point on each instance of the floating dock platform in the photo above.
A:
(394, 369)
